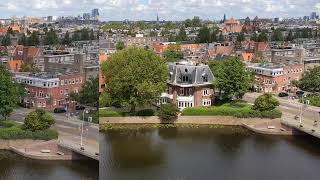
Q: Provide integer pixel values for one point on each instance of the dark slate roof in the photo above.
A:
(195, 74)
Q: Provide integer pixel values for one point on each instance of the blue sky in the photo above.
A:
(167, 9)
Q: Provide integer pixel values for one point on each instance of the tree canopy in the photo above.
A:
(232, 78)
(173, 53)
(10, 93)
(310, 80)
(135, 77)
(89, 94)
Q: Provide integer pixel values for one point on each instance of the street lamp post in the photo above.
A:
(83, 118)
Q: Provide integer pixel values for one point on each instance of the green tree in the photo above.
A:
(173, 53)
(33, 40)
(240, 37)
(232, 78)
(38, 120)
(92, 36)
(66, 40)
(263, 37)
(76, 36)
(51, 38)
(6, 40)
(196, 21)
(23, 40)
(10, 93)
(120, 46)
(254, 37)
(182, 35)
(265, 102)
(310, 80)
(277, 35)
(89, 94)
(289, 36)
(135, 77)
(85, 34)
(221, 37)
(204, 35)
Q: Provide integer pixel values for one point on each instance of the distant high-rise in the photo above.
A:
(86, 16)
(95, 14)
(224, 18)
(157, 19)
(49, 18)
(313, 15)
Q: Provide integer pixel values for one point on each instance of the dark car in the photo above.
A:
(299, 93)
(283, 94)
(59, 110)
(79, 107)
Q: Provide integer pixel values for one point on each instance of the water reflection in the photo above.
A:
(204, 153)
(134, 149)
(13, 166)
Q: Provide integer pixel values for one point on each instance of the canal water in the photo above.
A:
(15, 167)
(204, 153)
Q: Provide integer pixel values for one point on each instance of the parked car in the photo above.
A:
(283, 94)
(79, 107)
(300, 93)
(59, 110)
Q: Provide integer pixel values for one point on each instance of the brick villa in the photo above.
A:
(189, 85)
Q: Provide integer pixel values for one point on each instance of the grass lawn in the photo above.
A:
(13, 130)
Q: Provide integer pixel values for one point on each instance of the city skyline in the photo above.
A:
(167, 10)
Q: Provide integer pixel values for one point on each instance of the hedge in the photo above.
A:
(108, 113)
(229, 110)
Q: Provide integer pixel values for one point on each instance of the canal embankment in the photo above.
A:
(39, 149)
(258, 125)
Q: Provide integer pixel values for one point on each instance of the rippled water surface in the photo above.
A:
(204, 153)
(15, 167)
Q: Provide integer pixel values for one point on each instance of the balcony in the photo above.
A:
(166, 95)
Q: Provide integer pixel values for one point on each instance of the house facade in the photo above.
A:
(189, 85)
(49, 91)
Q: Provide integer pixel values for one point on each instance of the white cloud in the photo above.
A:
(167, 9)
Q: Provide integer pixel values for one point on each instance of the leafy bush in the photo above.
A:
(108, 113)
(145, 112)
(314, 100)
(38, 120)
(16, 132)
(265, 102)
(168, 112)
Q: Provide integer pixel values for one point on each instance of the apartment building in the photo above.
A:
(275, 78)
(48, 91)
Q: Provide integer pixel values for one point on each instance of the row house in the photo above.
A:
(275, 78)
(49, 91)
(189, 85)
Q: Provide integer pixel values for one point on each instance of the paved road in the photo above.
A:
(290, 108)
(69, 130)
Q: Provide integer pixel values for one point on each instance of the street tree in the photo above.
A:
(10, 93)
(277, 35)
(310, 80)
(89, 94)
(66, 40)
(135, 77)
(6, 40)
(51, 38)
(33, 40)
(182, 35)
(232, 78)
(204, 35)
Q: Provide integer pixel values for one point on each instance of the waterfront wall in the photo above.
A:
(21, 143)
(218, 120)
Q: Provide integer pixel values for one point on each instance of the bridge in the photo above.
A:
(86, 151)
(305, 126)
